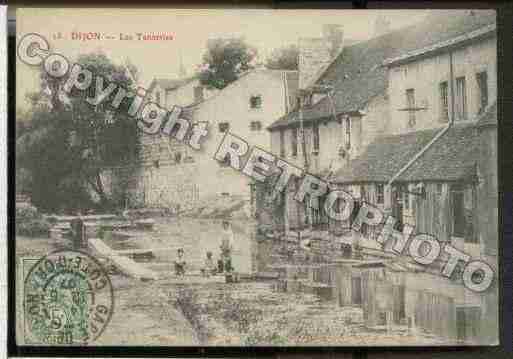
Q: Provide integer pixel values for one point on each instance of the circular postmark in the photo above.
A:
(68, 299)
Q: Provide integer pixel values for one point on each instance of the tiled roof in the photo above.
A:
(384, 157)
(357, 75)
(452, 157)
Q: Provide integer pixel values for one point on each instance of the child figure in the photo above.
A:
(209, 267)
(180, 263)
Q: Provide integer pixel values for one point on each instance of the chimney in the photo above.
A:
(315, 54)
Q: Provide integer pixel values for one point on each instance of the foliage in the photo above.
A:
(33, 228)
(264, 335)
(66, 143)
(225, 60)
(285, 58)
(30, 223)
(239, 313)
(26, 212)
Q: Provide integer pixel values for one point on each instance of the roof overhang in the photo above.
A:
(321, 119)
(443, 46)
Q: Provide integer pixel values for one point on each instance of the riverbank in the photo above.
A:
(142, 312)
(180, 313)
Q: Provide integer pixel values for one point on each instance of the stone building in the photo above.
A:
(435, 165)
(424, 168)
(170, 174)
(407, 122)
(244, 108)
(390, 85)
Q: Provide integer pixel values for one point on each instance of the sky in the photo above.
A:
(191, 28)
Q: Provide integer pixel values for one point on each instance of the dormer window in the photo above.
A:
(255, 101)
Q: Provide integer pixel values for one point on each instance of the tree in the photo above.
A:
(225, 60)
(70, 143)
(285, 58)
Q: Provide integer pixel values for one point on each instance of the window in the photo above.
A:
(156, 164)
(178, 157)
(406, 203)
(282, 143)
(198, 94)
(255, 101)
(224, 126)
(482, 83)
(109, 118)
(158, 97)
(403, 196)
(461, 98)
(348, 133)
(462, 208)
(308, 100)
(255, 126)
(380, 193)
(444, 101)
(439, 190)
(316, 138)
(293, 141)
(410, 105)
(399, 195)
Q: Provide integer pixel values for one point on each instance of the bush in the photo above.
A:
(33, 227)
(29, 222)
(26, 212)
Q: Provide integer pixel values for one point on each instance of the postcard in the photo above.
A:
(256, 177)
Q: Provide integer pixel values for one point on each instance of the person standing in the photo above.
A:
(227, 241)
(208, 267)
(180, 263)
